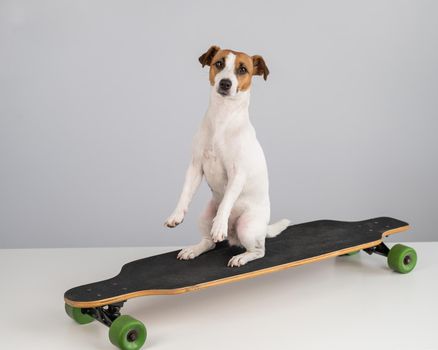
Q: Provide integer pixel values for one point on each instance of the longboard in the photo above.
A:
(163, 274)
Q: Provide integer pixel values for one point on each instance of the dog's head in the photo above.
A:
(231, 72)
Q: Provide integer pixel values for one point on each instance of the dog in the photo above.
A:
(226, 151)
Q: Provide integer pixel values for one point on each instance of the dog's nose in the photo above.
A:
(225, 84)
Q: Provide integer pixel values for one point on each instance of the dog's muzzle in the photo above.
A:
(224, 87)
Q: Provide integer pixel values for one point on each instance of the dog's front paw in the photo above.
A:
(219, 231)
(186, 254)
(175, 219)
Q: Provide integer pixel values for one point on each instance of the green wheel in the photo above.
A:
(77, 315)
(351, 253)
(127, 333)
(402, 259)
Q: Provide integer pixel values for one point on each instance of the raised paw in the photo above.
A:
(219, 231)
(175, 219)
(186, 254)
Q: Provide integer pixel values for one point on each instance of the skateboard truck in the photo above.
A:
(108, 314)
(381, 249)
(105, 315)
(125, 332)
(400, 258)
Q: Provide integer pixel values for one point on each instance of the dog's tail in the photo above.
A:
(277, 227)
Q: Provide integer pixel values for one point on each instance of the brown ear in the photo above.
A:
(260, 67)
(206, 58)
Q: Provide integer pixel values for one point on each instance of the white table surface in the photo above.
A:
(343, 303)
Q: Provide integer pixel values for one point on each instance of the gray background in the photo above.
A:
(99, 101)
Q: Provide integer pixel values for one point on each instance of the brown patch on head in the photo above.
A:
(245, 66)
(244, 70)
(217, 64)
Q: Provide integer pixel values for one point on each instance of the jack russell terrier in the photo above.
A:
(227, 152)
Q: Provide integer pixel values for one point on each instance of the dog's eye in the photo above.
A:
(243, 70)
(219, 64)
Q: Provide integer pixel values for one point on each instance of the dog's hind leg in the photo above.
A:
(205, 223)
(251, 231)
(233, 240)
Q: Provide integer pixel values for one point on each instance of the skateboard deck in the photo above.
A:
(297, 245)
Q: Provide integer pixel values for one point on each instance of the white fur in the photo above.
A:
(228, 73)
(227, 152)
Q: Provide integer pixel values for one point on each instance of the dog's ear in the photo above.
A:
(206, 57)
(260, 67)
